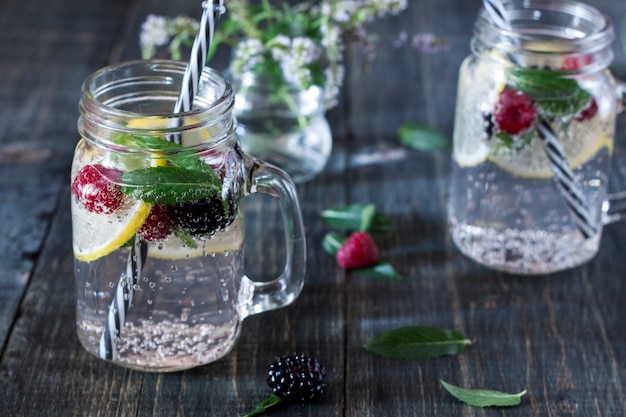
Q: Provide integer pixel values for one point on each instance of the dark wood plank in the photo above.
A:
(47, 49)
(537, 333)
(561, 337)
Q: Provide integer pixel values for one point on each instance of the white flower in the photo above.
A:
(248, 54)
(316, 58)
(334, 79)
(305, 50)
(154, 32)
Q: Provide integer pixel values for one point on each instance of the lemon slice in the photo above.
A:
(189, 137)
(532, 162)
(174, 248)
(101, 234)
(470, 156)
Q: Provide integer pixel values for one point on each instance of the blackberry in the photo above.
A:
(203, 216)
(488, 124)
(297, 377)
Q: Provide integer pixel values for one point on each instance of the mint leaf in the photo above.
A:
(483, 397)
(422, 137)
(141, 142)
(183, 175)
(379, 271)
(357, 217)
(170, 184)
(417, 343)
(332, 242)
(262, 406)
(556, 95)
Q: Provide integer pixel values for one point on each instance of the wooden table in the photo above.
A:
(562, 337)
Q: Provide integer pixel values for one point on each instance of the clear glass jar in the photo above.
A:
(158, 224)
(283, 125)
(533, 135)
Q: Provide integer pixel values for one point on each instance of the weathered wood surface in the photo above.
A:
(562, 336)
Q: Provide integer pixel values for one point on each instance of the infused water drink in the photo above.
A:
(533, 137)
(158, 225)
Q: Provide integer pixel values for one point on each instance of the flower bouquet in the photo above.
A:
(286, 68)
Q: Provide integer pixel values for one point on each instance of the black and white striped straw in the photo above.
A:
(122, 302)
(565, 180)
(563, 174)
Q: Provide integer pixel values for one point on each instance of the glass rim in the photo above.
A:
(93, 87)
(593, 32)
(128, 83)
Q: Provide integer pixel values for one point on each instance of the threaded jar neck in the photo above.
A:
(549, 32)
(138, 98)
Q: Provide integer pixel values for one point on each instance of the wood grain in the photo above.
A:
(561, 337)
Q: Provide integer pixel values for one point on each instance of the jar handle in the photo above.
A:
(269, 295)
(614, 207)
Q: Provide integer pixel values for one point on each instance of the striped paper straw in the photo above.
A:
(122, 302)
(563, 175)
(107, 349)
(565, 180)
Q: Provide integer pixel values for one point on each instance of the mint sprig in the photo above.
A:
(484, 397)
(422, 137)
(358, 218)
(556, 94)
(181, 175)
(262, 406)
(417, 343)
(170, 184)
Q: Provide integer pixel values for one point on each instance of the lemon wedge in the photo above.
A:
(189, 137)
(470, 156)
(532, 162)
(173, 248)
(581, 142)
(101, 234)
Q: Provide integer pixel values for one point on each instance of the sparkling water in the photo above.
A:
(184, 310)
(523, 225)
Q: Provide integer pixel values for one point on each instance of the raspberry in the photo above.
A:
(202, 216)
(573, 63)
(358, 251)
(588, 111)
(297, 377)
(96, 190)
(157, 225)
(514, 112)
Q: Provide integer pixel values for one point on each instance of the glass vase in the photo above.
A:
(283, 124)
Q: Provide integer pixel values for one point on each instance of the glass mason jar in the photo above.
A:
(157, 220)
(285, 126)
(533, 136)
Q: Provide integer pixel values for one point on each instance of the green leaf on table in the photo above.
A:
(332, 242)
(555, 93)
(484, 397)
(422, 137)
(383, 271)
(357, 217)
(417, 343)
(262, 406)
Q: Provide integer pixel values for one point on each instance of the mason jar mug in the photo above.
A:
(533, 137)
(157, 220)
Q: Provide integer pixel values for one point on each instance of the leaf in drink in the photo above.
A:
(556, 94)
